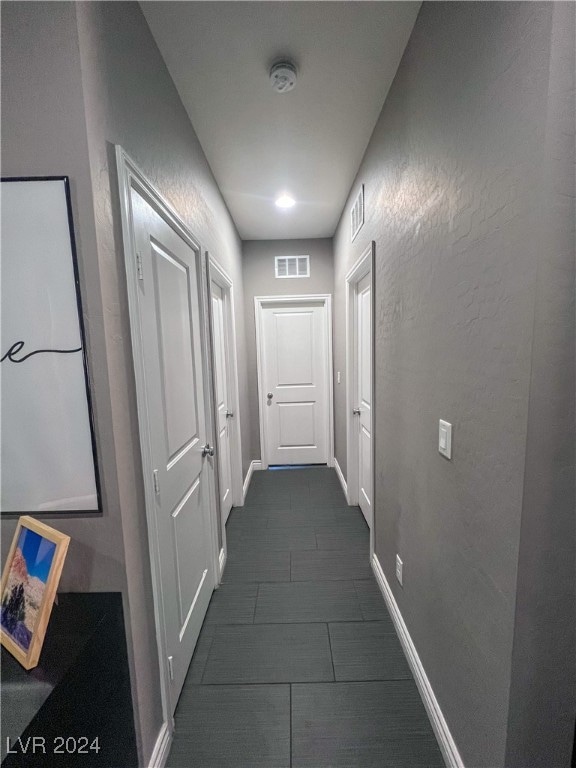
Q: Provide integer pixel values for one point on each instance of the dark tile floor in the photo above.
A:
(298, 663)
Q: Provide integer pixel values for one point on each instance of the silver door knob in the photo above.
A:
(356, 411)
(229, 414)
(207, 450)
(269, 395)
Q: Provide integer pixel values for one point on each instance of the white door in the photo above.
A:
(294, 401)
(364, 395)
(223, 400)
(174, 411)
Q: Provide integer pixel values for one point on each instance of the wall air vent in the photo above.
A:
(357, 214)
(292, 266)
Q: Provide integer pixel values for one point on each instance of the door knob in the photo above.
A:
(229, 414)
(269, 395)
(356, 411)
(207, 450)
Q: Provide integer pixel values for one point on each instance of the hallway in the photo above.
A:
(300, 233)
(298, 663)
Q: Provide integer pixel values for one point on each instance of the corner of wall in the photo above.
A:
(541, 704)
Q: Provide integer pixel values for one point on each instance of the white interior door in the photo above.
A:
(294, 397)
(364, 395)
(223, 400)
(176, 425)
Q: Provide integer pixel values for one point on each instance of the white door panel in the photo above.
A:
(294, 360)
(223, 400)
(364, 390)
(296, 423)
(294, 349)
(169, 318)
(175, 342)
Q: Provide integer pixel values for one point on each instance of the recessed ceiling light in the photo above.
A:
(285, 201)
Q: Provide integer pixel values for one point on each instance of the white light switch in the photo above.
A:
(338, 377)
(445, 439)
(399, 570)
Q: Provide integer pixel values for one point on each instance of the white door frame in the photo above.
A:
(259, 304)
(364, 266)
(218, 274)
(131, 177)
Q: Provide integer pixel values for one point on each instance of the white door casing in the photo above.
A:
(294, 348)
(164, 281)
(227, 398)
(363, 397)
(223, 401)
(360, 385)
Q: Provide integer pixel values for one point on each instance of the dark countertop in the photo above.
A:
(79, 624)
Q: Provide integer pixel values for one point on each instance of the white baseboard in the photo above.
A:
(341, 478)
(161, 748)
(255, 466)
(445, 741)
(222, 561)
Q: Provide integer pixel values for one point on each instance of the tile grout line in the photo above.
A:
(256, 603)
(290, 725)
(306, 621)
(207, 656)
(331, 653)
(281, 683)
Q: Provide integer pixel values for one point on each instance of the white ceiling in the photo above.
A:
(309, 141)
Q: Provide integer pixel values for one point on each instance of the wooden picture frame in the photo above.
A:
(29, 582)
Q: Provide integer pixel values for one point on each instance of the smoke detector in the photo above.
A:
(283, 76)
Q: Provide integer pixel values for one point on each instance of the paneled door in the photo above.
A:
(167, 334)
(223, 399)
(360, 384)
(363, 409)
(294, 363)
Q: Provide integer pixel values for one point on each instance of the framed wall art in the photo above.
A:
(48, 458)
(29, 582)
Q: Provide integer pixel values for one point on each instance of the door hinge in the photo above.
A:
(156, 483)
(139, 270)
(171, 667)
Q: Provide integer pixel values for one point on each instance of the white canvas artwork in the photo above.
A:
(47, 458)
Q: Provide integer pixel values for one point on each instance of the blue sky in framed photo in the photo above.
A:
(38, 553)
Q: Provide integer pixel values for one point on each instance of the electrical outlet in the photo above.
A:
(399, 567)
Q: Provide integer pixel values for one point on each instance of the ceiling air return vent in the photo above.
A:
(292, 266)
(357, 214)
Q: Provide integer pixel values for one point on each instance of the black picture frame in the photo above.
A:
(54, 512)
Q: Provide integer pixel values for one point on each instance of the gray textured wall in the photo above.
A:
(76, 79)
(454, 200)
(542, 706)
(44, 133)
(259, 280)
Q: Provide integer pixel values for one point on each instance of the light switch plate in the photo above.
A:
(445, 438)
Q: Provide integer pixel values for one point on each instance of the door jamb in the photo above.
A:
(259, 303)
(363, 266)
(218, 274)
(131, 177)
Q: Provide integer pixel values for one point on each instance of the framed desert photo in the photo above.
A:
(29, 582)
